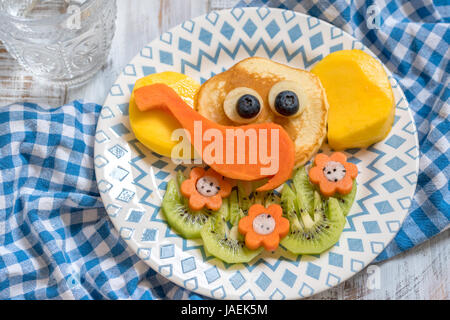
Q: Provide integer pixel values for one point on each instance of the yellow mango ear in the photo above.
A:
(360, 97)
(154, 128)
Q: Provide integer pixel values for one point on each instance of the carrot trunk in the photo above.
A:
(162, 96)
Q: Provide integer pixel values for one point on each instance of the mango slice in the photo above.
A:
(360, 97)
(154, 128)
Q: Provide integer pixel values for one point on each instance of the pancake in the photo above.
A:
(307, 130)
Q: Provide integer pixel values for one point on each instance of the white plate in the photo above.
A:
(132, 179)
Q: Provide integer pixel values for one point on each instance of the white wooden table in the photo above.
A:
(420, 273)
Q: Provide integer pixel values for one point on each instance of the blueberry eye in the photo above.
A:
(242, 105)
(248, 106)
(287, 99)
(286, 103)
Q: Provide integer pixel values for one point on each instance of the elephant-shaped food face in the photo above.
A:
(258, 90)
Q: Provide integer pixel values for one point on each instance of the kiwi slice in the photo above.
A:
(246, 196)
(179, 216)
(257, 197)
(241, 199)
(315, 224)
(180, 178)
(225, 243)
(304, 190)
(271, 197)
(346, 201)
(235, 213)
(288, 203)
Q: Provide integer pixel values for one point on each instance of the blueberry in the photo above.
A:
(286, 103)
(248, 106)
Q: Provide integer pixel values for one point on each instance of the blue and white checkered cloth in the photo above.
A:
(56, 240)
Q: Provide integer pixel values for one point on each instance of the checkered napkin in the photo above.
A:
(56, 240)
(412, 39)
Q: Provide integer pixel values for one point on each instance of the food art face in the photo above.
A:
(233, 205)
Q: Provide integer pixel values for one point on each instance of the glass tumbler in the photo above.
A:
(62, 41)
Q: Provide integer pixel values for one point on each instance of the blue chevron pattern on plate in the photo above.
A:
(132, 179)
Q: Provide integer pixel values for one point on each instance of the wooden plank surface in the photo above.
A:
(420, 273)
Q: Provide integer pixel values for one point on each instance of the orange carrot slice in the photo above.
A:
(161, 96)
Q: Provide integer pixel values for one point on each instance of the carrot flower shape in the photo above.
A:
(333, 174)
(263, 226)
(205, 188)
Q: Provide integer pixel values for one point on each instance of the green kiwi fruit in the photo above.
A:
(179, 216)
(241, 199)
(271, 197)
(288, 203)
(306, 196)
(245, 196)
(225, 243)
(234, 211)
(304, 190)
(315, 224)
(257, 197)
(346, 201)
